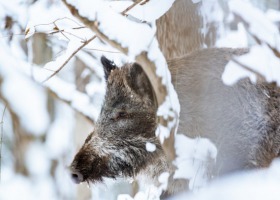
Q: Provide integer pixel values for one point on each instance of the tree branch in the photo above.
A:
(257, 39)
(69, 102)
(72, 55)
(85, 43)
(259, 75)
(1, 138)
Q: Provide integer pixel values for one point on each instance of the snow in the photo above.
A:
(91, 62)
(259, 24)
(162, 71)
(32, 107)
(256, 184)
(149, 12)
(15, 9)
(261, 59)
(234, 39)
(48, 12)
(234, 72)
(37, 160)
(162, 132)
(73, 45)
(194, 156)
(150, 147)
(211, 12)
(145, 12)
(20, 187)
(152, 193)
(78, 100)
(196, 1)
(163, 180)
(170, 108)
(137, 37)
(273, 15)
(60, 133)
(134, 36)
(111, 189)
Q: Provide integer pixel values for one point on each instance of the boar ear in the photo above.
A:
(140, 83)
(108, 66)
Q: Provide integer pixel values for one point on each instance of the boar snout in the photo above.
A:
(76, 176)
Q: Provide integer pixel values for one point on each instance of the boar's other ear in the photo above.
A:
(140, 83)
(108, 65)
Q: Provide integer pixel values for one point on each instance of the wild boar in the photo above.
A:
(243, 120)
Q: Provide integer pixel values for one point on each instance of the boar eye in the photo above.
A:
(120, 115)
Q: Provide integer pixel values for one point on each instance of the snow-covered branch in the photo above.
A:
(263, 60)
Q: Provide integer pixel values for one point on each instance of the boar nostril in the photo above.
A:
(77, 177)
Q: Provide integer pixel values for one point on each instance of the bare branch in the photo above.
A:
(92, 49)
(130, 7)
(257, 39)
(259, 75)
(1, 136)
(72, 55)
(69, 102)
(85, 43)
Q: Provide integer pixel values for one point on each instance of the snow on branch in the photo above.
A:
(263, 60)
(31, 109)
(257, 22)
(79, 101)
(136, 40)
(65, 58)
(17, 82)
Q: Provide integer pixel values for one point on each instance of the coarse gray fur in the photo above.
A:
(242, 120)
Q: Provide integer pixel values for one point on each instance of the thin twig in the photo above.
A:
(93, 49)
(49, 31)
(51, 70)
(130, 7)
(249, 69)
(71, 56)
(1, 141)
(59, 19)
(85, 43)
(69, 102)
(69, 33)
(257, 39)
(145, 1)
(9, 35)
